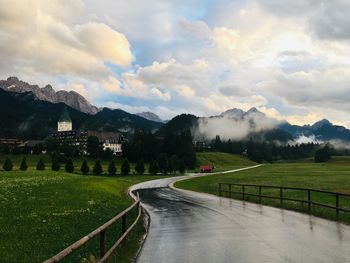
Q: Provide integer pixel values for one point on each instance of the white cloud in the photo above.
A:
(183, 56)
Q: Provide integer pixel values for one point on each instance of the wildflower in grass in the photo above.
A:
(40, 166)
(111, 168)
(7, 165)
(23, 166)
(97, 168)
(85, 167)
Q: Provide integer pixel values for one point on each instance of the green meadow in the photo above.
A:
(223, 161)
(42, 212)
(331, 176)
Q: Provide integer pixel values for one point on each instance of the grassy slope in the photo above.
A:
(333, 176)
(223, 161)
(43, 212)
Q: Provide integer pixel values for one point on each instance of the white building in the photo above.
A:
(116, 148)
(65, 122)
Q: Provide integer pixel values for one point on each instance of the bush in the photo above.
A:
(163, 163)
(153, 168)
(323, 155)
(97, 170)
(125, 169)
(69, 167)
(7, 165)
(85, 167)
(55, 166)
(111, 168)
(23, 166)
(40, 165)
(140, 168)
(181, 166)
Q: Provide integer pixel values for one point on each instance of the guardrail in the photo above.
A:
(226, 188)
(101, 232)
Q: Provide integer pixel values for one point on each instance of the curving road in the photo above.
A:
(194, 227)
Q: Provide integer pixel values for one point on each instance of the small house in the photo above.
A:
(206, 168)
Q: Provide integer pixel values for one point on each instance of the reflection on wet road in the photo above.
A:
(189, 227)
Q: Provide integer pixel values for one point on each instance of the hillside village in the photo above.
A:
(65, 134)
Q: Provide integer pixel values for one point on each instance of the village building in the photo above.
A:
(32, 147)
(109, 140)
(65, 132)
(206, 168)
(64, 123)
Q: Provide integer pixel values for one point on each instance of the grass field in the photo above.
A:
(332, 176)
(42, 212)
(223, 161)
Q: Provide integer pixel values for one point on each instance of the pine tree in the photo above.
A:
(125, 169)
(97, 170)
(40, 166)
(7, 165)
(153, 168)
(181, 166)
(55, 166)
(69, 167)
(23, 166)
(323, 155)
(85, 167)
(162, 163)
(140, 168)
(111, 168)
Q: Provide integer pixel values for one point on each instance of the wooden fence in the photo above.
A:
(101, 232)
(245, 190)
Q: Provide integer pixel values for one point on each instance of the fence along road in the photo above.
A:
(194, 227)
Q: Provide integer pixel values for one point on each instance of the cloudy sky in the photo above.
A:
(289, 58)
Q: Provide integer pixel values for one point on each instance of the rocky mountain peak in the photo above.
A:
(149, 116)
(233, 113)
(47, 93)
(321, 123)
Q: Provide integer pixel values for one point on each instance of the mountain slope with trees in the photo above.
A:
(23, 116)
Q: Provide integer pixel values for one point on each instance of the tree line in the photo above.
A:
(168, 154)
(271, 151)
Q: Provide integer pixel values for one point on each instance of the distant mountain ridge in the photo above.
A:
(149, 116)
(47, 93)
(24, 116)
(258, 125)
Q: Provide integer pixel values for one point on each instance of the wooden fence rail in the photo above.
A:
(226, 188)
(101, 232)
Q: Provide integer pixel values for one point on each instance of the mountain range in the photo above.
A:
(25, 107)
(23, 116)
(47, 93)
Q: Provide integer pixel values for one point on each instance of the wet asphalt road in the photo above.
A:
(194, 227)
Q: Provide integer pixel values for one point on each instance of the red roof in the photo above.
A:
(206, 167)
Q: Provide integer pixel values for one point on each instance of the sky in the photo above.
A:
(289, 59)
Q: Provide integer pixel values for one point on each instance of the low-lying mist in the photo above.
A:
(234, 129)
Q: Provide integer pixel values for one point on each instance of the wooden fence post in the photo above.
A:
(102, 243)
(309, 200)
(243, 195)
(123, 223)
(281, 196)
(260, 194)
(230, 186)
(337, 205)
(219, 189)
